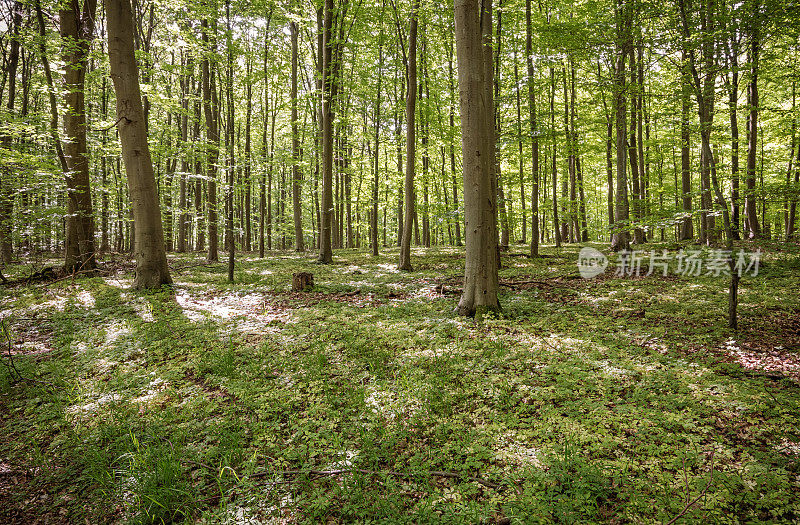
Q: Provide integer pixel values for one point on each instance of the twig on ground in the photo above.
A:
(702, 493)
(337, 472)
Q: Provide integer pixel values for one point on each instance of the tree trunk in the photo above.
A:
(620, 239)
(534, 128)
(326, 213)
(752, 136)
(77, 28)
(687, 225)
(376, 180)
(299, 244)
(211, 110)
(151, 259)
(480, 274)
(404, 262)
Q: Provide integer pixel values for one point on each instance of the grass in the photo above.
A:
(610, 400)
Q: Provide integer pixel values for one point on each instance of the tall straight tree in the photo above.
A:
(480, 271)
(325, 55)
(151, 258)
(77, 31)
(687, 225)
(376, 179)
(620, 239)
(296, 175)
(534, 132)
(10, 72)
(754, 54)
(211, 113)
(404, 262)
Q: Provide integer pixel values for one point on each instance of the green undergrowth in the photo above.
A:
(605, 400)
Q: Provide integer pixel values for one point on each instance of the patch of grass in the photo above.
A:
(586, 401)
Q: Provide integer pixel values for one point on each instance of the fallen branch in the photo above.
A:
(12, 368)
(702, 493)
(188, 266)
(407, 475)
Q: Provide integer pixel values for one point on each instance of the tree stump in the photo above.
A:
(302, 281)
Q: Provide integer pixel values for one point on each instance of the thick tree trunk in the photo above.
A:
(480, 275)
(77, 30)
(151, 260)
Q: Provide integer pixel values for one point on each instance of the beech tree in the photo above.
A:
(152, 270)
(480, 272)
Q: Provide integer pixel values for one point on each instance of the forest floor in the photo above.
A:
(614, 399)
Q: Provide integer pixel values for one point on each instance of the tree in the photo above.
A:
(328, 91)
(480, 270)
(620, 239)
(404, 262)
(151, 258)
(296, 175)
(534, 133)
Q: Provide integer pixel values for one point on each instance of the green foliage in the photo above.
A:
(586, 401)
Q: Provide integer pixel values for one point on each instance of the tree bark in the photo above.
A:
(620, 239)
(534, 129)
(151, 260)
(480, 273)
(326, 212)
(404, 262)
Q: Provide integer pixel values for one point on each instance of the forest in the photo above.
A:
(373, 261)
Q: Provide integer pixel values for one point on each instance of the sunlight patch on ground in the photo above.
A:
(789, 447)
(610, 370)
(389, 268)
(143, 309)
(154, 389)
(251, 313)
(345, 461)
(115, 331)
(776, 360)
(92, 407)
(57, 303)
(118, 282)
(513, 452)
(389, 404)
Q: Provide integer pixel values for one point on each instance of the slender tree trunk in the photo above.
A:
(6, 183)
(404, 262)
(451, 77)
(687, 225)
(752, 135)
(326, 214)
(620, 239)
(376, 180)
(554, 166)
(520, 148)
(299, 244)
(211, 110)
